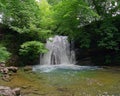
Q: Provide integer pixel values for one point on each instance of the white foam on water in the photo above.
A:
(50, 68)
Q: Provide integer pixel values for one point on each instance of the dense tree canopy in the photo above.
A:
(91, 23)
(76, 13)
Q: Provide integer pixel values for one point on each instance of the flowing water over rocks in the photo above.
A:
(57, 75)
(59, 52)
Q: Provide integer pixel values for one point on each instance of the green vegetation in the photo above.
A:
(94, 25)
(30, 51)
(4, 54)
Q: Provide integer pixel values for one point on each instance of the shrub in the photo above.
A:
(30, 51)
(4, 54)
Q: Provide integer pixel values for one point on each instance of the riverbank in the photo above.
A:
(67, 82)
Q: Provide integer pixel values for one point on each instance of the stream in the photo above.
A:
(60, 81)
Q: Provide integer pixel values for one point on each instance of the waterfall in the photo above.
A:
(59, 52)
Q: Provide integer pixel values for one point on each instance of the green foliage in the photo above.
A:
(21, 14)
(53, 2)
(30, 50)
(25, 17)
(107, 33)
(34, 47)
(105, 8)
(76, 14)
(90, 22)
(85, 40)
(27, 20)
(4, 54)
(46, 14)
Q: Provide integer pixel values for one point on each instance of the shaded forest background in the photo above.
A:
(93, 25)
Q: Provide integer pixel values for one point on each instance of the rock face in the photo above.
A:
(7, 91)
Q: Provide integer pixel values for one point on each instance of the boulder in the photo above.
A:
(27, 68)
(7, 91)
(5, 70)
(2, 65)
(13, 69)
(17, 91)
(6, 77)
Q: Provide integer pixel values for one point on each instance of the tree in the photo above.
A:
(24, 21)
(46, 21)
(105, 8)
(76, 14)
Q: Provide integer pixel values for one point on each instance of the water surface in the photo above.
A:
(67, 81)
(81, 80)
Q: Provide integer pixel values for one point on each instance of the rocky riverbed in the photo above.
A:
(6, 72)
(7, 91)
(103, 82)
(6, 75)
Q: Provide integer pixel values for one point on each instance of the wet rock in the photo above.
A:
(2, 65)
(16, 91)
(27, 68)
(6, 77)
(13, 69)
(1, 69)
(5, 70)
(10, 74)
(7, 91)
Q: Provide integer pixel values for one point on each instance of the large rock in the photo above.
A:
(17, 91)
(27, 68)
(7, 91)
(13, 69)
(6, 72)
(6, 77)
(2, 65)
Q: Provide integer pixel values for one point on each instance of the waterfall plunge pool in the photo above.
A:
(59, 76)
(62, 68)
(73, 80)
(87, 81)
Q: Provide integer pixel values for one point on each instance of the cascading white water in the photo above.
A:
(60, 56)
(59, 52)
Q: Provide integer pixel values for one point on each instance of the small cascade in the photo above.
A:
(59, 52)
